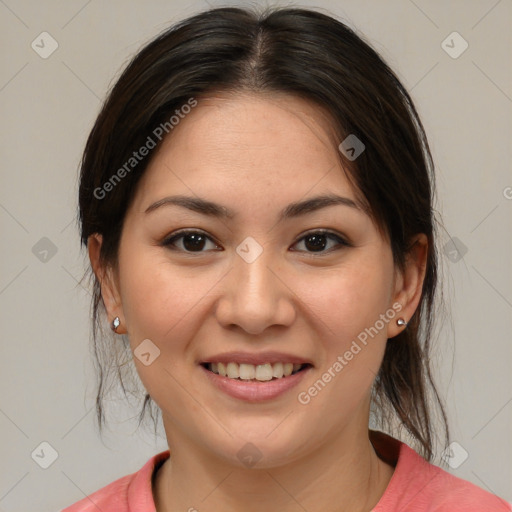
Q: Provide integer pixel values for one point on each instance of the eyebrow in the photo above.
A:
(212, 209)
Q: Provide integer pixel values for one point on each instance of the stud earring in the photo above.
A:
(401, 322)
(115, 324)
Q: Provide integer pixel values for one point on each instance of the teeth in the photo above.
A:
(232, 371)
(277, 370)
(247, 371)
(261, 372)
(264, 372)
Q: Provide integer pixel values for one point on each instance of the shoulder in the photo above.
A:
(419, 486)
(448, 493)
(434, 489)
(113, 496)
(127, 493)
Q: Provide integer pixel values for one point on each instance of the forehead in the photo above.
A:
(245, 144)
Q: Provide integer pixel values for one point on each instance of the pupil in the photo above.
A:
(193, 241)
(315, 242)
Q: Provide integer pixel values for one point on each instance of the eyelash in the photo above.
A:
(169, 241)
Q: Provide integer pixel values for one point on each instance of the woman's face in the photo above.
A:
(255, 283)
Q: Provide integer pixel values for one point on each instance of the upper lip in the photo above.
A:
(255, 359)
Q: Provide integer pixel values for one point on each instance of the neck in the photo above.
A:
(344, 475)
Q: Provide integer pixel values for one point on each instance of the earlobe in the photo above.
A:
(409, 283)
(109, 289)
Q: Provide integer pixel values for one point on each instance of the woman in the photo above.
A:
(256, 198)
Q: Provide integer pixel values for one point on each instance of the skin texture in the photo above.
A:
(256, 154)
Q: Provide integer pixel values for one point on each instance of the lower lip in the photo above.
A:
(253, 391)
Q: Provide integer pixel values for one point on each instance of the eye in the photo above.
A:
(189, 241)
(317, 241)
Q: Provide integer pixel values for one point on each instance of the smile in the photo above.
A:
(250, 372)
(255, 383)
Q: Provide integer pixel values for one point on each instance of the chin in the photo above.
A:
(259, 450)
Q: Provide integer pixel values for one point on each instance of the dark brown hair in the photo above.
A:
(314, 56)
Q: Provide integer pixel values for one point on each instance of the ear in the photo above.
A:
(109, 283)
(409, 283)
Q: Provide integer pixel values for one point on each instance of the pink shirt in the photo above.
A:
(416, 486)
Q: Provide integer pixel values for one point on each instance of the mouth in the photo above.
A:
(255, 373)
(256, 376)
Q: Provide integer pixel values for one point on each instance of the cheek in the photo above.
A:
(348, 299)
(157, 298)
(161, 303)
(345, 304)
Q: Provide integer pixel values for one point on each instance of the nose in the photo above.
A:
(255, 296)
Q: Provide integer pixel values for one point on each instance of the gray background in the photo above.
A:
(48, 106)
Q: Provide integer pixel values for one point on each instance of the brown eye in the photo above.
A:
(317, 241)
(189, 241)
